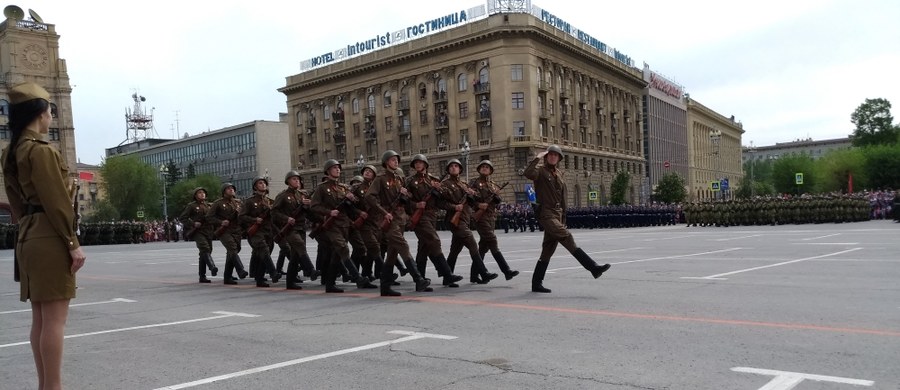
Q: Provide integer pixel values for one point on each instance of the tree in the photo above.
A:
(670, 189)
(173, 174)
(103, 212)
(834, 169)
(883, 166)
(190, 172)
(183, 193)
(785, 169)
(619, 188)
(874, 124)
(130, 185)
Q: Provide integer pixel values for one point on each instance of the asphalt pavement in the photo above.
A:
(804, 307)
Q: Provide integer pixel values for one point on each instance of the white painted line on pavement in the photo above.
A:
(816, 238)
(410, 336)
(114, 300)
(737, 238)
(653, 259)
(825, 243)
(667, 238)
(167, 262)
(786, 380)
(222, 314)
(719, 276)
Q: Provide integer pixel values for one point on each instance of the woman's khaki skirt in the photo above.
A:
(44, 262)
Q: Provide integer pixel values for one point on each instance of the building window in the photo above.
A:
(517, 72)
(388, 124)
(54, 112)
(299, 119)
(441, 86)
(484, 75)
(463, 110)
(423, 117)
(424, 142)
(356, 130)
(462, 82)
(518, 100)
(355, 104)
(463, 136)
(300, 140)
(4, 107)
(423, 93)
(54, 134)
(484, 134)
(326, 112)
(4, 132)
(387, 98)
(519, 128)
(521, 157)
(371, 101)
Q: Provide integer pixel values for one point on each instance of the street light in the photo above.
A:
(752, 151)
(360, 162)
(715, 136)
(464, 151)
(164, 170)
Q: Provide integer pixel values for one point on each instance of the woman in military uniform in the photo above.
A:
(47, 252)
(550, 190)
(194, 217)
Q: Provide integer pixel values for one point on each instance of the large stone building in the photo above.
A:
(809, 147)
(90, 188)
(237, 154)
(501, 87)
(29, 52)
(665, 128)
(715, 153)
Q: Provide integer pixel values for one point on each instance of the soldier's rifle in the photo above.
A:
(417, 215)
(251, 231)
(329, 222)
(456, 216)
(495, 200)
(385, 225)
(296, 214)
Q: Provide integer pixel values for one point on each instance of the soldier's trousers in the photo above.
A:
(232, 243)
(261, 259)
(371, 237)
(462, 237)
(396, 243)
(555, 233)
(296, 241)
(204, 247)
(429, 245)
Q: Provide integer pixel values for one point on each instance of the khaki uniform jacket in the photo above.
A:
(382, 194)
(37, 160)
(286, 206)
(549, 188)
(419, 186)
(225, 209)
(484, 193)
(328, 196)
(196, 212)
(257, 206)
(453, 192)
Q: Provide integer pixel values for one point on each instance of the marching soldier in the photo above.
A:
(488, 197)
(384, 199)
(329, 200)
(369, 232)
(424, 190)
(457, 197)
(357, 246)
(194, 218)
(551, 200)
(289, 212)
(255, 215)
(223, 214)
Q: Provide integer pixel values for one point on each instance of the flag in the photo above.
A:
(849, 182)
(85, 176)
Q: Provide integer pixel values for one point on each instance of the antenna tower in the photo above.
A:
(138, 124)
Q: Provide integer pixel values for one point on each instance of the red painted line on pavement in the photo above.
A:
(604, 313)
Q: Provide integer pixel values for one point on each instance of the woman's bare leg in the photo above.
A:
(53, 316)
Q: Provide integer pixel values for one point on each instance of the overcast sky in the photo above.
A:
(786, 69)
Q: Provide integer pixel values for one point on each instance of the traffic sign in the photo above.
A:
(592, 195)
(140, 214)
(714, 186)
(724, 184)
(666, 164)
(529, 190)
(798, 178)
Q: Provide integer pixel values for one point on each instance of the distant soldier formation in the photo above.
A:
(775, 210)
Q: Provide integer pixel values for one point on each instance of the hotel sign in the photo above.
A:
(665, 86)
(381, 41)
(582, 36)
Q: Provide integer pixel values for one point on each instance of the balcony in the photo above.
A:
(369, 111)
(484, 142)
(403, 128)
(543, 113)
(543, 86)
(403, 105)
(482, 88)
(371, 134)
(311, 123)
(441, 122)
(584, 120)
(565, 118)
(518, 140)
(483, 115)
(439, 97)
(564, 93)
(340, 138)
(337, 117)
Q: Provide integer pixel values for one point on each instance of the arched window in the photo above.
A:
(484, 76)
(53, 111)
(355, 104)
(423, 93)
(326, 111)
(441, 85)
(312, 115)
(550, 79)
(559, 81)
(462, 82)
(387, 98)
(4, 107)
(540, 74)
(371, 101)
(404, 93)
(299, 118)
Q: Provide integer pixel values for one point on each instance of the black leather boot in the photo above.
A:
(279, 264)
(239, 266)
(311, 272)
(440, 262)
(590, 264)
(421, 283)
(422, 263)
(229, 268)
(213, 270)
(360, 281)
(537, 279)
(292, 281)
(330, 277)
(504, 266)
(478, 268)
(404, 270)
(386, 281)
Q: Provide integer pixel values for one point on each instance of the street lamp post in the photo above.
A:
(164, 170)
(464, 152)
(715, 136)
(752, 151)
(360, 162)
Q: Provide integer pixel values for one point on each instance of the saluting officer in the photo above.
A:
(329, 201)
(289, 212)
(487, 197)
(551, 199)
(223, 214)
(194, 218)
(256, 215)
(457, 197)
(384, 199)
(424, 191)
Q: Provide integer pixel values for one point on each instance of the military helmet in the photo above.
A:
(419, 157)
(485, 162)
(225, 187)
(555, 149)
(387, 156)
(291, 174)
(198, 189)
(356, 179)
(372, 167)
(258, 178)
(451, 162)
(329, 164)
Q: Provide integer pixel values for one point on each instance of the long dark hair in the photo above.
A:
(20, 116)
